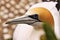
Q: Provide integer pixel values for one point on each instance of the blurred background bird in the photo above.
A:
(29, 26)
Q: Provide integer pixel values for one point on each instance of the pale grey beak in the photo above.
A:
(23, 20)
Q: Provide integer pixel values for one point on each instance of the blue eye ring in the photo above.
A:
(35, 16)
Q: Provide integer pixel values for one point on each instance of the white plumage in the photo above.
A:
(26, 32)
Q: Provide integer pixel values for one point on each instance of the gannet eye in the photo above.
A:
(35, 16)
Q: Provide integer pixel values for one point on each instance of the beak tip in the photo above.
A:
(7, 22)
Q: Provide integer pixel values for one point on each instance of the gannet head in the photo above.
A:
(37, 13)
(40, 12)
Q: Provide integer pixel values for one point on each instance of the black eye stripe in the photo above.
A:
(35, 16)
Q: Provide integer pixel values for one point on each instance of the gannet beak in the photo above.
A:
(23, 20)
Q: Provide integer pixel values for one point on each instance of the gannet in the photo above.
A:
(29, 26)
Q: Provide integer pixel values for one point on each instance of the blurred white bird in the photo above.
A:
(30, 25)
